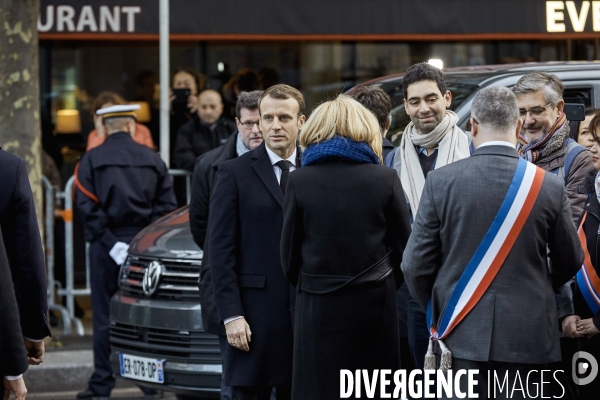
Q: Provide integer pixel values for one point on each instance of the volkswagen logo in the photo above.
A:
(151, 278)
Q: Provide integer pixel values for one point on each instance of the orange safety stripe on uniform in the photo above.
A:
(83, 190)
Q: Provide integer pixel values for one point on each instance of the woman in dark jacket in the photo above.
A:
(345, 228)
(587, 310)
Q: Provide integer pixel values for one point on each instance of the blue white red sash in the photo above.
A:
(493, 250)
(587, 279)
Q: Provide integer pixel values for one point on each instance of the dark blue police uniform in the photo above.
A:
(122, 187)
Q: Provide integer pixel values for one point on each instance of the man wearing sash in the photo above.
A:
(477, 257)
(431, 141)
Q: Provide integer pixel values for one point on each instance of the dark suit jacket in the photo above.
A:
(13, 358)
(18, 222)
(516, 319)
(245, 222)
(203, 181)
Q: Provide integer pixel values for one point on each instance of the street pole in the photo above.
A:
(164, 81)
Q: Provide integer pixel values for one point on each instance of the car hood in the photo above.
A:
(168, 238)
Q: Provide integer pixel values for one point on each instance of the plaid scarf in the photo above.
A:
(554, 139)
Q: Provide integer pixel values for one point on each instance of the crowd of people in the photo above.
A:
(326, 248)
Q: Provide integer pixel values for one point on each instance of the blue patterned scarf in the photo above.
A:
(339, 147)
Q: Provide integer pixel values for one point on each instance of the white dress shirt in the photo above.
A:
(274, 160)
(498, 143)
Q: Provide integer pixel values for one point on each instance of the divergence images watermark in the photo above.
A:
(432, 384)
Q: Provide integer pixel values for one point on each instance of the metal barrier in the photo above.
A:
(188, 181)
(49, 226)
(69, 290)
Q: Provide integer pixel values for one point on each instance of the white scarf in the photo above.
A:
(453, 146)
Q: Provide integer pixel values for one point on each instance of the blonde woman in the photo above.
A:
(345, 227)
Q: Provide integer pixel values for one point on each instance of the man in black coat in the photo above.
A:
(206, 131)
(253, 297)
(247, 138)
(374, 99)
(24, 322)
(122, 187)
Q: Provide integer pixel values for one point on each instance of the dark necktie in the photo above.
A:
(285, 170)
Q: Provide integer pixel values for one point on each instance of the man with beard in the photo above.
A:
(431, 141)
(545, 141)
(247, 138)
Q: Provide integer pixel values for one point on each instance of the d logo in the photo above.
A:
(588, 367)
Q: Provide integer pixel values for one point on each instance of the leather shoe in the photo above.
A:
(87, 394)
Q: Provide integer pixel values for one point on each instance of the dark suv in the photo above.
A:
(156, 326)
(156, 329)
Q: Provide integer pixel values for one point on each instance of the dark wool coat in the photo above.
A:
(341, 217)
(194, 139)
(23, 244)
(203, 182)
(13, 358)
(244, 230)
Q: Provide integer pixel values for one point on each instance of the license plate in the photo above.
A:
(142, 368)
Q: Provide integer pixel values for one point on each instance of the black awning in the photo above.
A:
(306, 19)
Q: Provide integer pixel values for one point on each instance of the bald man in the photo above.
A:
(206, 131)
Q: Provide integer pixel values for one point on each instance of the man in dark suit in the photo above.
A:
(122, 187)
(247, 138)
(253, 298)
(459, 203)
(26, 278)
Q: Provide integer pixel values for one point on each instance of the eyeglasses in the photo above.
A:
(534, 112)
(249, 124)
(475, 121)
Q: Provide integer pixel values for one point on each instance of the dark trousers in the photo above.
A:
(261, 392)
(406, 361)
(532, 387)
(225, 390)
(418, 333)
(104, 275)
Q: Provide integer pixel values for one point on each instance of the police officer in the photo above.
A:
(122, 187)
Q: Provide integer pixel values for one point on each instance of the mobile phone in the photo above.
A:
(181, 96)
(575, 111)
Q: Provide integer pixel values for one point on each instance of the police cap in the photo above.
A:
(119, 110)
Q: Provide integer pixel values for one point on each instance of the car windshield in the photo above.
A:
(460, 85)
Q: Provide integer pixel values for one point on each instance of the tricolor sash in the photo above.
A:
(587, 278)
(491, 253)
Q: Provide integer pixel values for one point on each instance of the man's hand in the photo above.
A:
(569, 326)
(17, 386)
(586, 327)
(35, 352)
(238, 334)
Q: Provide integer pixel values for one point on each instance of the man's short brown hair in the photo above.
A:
(284, 92)
(377, 101)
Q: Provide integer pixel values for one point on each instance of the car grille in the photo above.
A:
(177, 345)
(178, 279)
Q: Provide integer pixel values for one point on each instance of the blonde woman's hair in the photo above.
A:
(343, 117)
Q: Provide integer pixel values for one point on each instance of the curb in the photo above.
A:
(61, 371)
